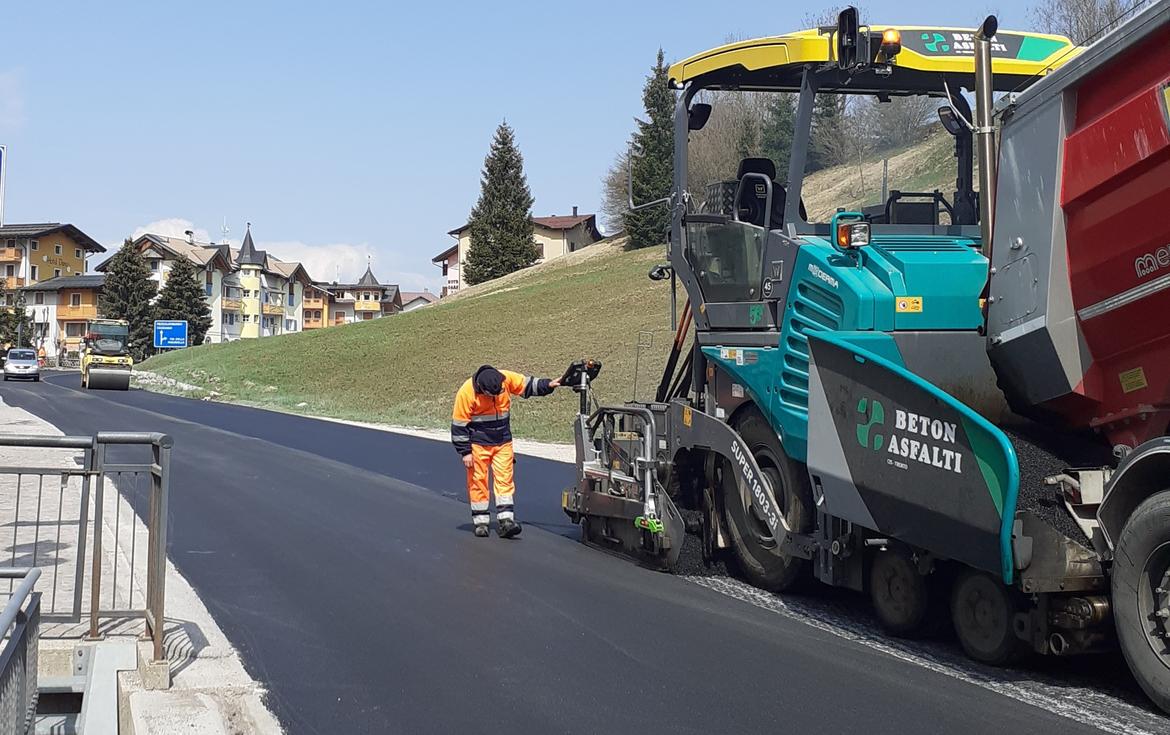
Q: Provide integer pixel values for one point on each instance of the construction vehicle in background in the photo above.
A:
(956, 403)
(106, 363)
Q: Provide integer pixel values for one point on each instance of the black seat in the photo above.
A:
(753, 196)
(752, 202)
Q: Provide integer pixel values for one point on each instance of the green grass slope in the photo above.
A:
(405, 370)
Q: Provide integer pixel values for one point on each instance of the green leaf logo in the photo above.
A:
(755, 314)
(936, 43)
(875, 415)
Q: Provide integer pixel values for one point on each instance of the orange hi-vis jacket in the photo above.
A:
(483, 419)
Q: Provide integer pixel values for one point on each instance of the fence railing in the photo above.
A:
(20, 626)
(92, 500)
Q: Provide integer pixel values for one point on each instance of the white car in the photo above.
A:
(22, 364)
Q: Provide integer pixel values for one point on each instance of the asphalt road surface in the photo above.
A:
(339, 561)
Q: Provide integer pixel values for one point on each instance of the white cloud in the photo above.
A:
(340, 261)
(11, 100)
(172, 227)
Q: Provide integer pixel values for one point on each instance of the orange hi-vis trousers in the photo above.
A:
(500, 460)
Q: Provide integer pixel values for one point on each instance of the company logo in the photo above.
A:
(1151, 263)
(755, 313)
(914, 437)
(816, 272)
(875, 416)
(936, 43)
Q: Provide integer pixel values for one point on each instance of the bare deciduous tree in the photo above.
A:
(1081, 20)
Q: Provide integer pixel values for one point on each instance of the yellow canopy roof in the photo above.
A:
(776, 62)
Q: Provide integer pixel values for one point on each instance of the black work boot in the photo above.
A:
(508, 528)
(481, 530)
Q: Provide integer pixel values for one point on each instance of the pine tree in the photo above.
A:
(501, 221)
(776, 132)
(653, 160)
(127, 294)
(181, 298)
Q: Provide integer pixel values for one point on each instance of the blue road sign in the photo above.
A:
(170, 334)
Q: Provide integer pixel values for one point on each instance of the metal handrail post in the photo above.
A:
(95, 581)
(82, 529)
(157, 573)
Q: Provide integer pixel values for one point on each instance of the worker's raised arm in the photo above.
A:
(527, 386)
(461, 419)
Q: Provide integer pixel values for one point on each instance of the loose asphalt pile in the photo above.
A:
(1043, 452)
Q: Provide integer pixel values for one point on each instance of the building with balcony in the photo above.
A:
(555, 237)
(60, 307)
(249, 292)
(355, 302)
(38, 252)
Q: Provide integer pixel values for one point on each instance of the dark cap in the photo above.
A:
(488, 380)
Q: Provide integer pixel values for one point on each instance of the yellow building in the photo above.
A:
(37, 252)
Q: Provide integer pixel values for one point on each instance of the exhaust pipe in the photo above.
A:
(1058, 644)
(984, 129)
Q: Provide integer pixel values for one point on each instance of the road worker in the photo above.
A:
(482, 434)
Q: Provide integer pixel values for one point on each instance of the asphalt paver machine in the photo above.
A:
(957, 403)
(106, 363)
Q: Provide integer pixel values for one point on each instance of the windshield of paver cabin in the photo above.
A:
(890, 158)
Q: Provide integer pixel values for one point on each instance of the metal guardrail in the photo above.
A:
(20, 627)
(43, 537)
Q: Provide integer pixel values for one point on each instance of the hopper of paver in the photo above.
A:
(1080, 284)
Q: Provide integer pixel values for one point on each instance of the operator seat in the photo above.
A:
(753, 198)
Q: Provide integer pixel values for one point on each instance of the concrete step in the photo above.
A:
(61, 684)
(56, 724)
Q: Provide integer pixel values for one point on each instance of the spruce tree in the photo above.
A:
(776, 132)
(127, 294)
(653, 160)
(181, 298)
(501, 222)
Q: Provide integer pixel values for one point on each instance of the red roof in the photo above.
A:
(561, 223)
(408, 296)
(566, 222)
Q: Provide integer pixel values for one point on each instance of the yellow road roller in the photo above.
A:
(105, 355)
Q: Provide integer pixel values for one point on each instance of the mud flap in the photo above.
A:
(895, 454)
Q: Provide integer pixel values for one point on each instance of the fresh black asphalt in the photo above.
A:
(339, 561)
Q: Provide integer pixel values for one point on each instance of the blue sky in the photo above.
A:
(341, 130)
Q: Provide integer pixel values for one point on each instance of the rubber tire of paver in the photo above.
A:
(983, 610)
(1145, 538)
(759, 564)
(900, 594)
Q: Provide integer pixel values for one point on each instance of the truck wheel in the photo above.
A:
(1141, 596)
(754, 548)
(900, 594)
(983, 610)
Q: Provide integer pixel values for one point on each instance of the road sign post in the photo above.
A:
(170, 334)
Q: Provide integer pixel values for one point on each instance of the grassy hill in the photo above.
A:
(595, 303)
(405, 370)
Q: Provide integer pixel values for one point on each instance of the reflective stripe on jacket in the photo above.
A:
(482, 419)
